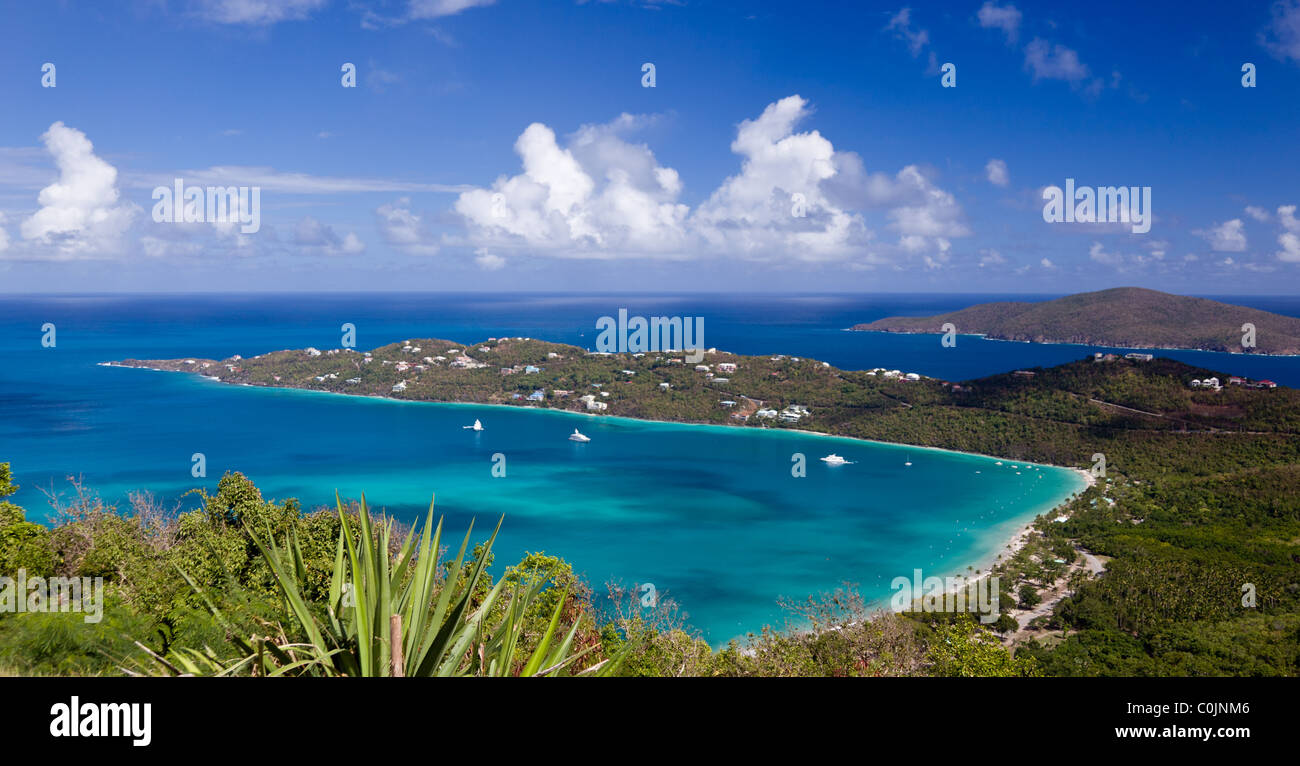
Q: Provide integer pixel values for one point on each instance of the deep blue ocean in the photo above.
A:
(710, 515)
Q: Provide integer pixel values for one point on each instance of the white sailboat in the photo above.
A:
(909, 460)
(578, 437)
(478, 426)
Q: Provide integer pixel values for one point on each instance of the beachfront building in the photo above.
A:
(399, 386)
(793, 414)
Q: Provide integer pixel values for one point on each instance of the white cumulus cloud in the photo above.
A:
(1227, 237)
(901, 25)
(80, 213)
(598, 194)
(1054, 62)
(404, 229)
(1006, 18)
(488, 261)
(595, 197)
(1282, 36)
(316, 238)
(996, 171)
(1290, 238)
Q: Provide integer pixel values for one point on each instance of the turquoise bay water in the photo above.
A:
(709, 515)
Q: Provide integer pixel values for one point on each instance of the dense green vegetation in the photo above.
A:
(1124, 317)
(1196, 524)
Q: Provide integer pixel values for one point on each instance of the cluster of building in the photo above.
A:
(1213, 383)
(792, 414)
(892, 374)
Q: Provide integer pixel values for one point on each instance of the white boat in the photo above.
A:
(577, 437)
(478, 426)
(833, 459)
(909, 460)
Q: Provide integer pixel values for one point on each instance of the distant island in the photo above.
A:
(1123, 317)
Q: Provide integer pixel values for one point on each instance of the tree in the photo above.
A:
(23, 544)
(962, 648)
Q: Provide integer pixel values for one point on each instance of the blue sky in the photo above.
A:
(511, 145)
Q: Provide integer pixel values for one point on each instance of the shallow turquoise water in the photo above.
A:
(710, 515)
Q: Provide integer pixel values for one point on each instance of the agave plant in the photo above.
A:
(391, 615)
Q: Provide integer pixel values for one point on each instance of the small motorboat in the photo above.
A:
(578, 437)
(478, 426)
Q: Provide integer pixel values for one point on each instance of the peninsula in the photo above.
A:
(1058, 415)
